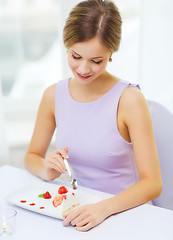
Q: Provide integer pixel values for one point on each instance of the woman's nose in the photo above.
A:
(84, 68)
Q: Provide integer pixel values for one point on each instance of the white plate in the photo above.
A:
(30, 194)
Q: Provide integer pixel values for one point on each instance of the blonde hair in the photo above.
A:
(92, 18)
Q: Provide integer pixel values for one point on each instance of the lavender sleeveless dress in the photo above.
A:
(100, 158)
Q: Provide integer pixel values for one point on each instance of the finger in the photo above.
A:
(59, 159)
(55, 163)
(83, 222)
(80, 218)
(62, 152)
(85, 228)
(70, 216)
(66, 149)
(56, 167)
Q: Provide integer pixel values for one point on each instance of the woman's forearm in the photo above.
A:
(134, 196)
(35, 165)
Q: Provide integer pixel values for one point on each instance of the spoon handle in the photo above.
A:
(68, 167)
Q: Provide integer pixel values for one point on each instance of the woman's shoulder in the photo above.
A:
(49, 92)
(132, 95)
(132, 102)
(48, 98)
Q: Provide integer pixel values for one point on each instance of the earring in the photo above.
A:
(110, 59)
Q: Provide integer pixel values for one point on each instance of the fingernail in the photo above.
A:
(65, 224)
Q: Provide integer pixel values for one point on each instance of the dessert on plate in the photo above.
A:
(65, 200)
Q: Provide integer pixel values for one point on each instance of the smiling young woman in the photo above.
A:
(88, 60)
(103, 123)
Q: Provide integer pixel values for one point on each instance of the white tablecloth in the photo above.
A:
(145, 222)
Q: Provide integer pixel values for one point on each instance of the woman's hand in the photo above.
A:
(86, 217)
(54, 164)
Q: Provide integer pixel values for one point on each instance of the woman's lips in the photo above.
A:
(83, 77)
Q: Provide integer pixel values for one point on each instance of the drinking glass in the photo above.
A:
(7, 221)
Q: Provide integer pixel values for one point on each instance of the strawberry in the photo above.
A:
(62, 190)
(47, 195)
(57, 200)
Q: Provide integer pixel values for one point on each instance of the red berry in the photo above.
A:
(57, 200)
(62, 190)
(47, 195)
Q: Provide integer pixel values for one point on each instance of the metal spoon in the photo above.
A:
(73, 180)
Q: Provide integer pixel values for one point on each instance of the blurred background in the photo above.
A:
(32, 57)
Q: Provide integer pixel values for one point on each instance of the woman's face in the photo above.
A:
(88, 60)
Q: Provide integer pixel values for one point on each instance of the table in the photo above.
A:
(141, 223)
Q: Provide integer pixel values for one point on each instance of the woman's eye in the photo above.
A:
(75, 57)
(98, 62)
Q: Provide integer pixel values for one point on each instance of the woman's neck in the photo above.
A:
(92, 91)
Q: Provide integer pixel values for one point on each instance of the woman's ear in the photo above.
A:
(110, 58)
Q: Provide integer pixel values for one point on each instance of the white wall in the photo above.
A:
(156, 60)
(4, 154)
(65, 8)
